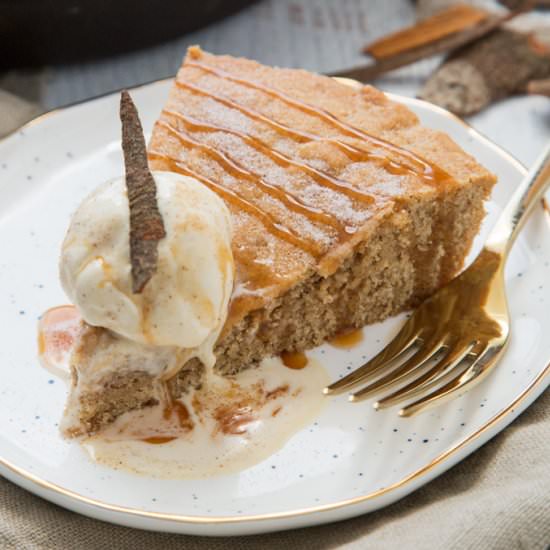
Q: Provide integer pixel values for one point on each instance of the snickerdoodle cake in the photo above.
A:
(345, 209)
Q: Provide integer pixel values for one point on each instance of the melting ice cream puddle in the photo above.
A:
(232, 424)
(228, 425)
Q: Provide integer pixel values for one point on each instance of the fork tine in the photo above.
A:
(473, 374)
(404, 339)
(457, 370)
(453, 357)
(404, 372)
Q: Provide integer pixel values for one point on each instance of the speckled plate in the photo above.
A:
(352, 460)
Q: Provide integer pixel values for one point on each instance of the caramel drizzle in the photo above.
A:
(407, 161)
(236, 169)
(277, 229)
(319, 176)
(352, 152)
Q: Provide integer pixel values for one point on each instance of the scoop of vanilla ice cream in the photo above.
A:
(186, 301)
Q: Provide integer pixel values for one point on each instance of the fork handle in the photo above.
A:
(516, 212)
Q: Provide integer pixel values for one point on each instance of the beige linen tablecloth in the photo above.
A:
(498, 498)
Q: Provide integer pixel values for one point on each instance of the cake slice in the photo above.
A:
(345, 210)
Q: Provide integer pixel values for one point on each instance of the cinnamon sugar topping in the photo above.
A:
(395, 159)
(301, 183)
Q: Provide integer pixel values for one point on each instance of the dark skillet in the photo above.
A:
(34, 32)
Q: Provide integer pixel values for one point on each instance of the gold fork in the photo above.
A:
(454, 338)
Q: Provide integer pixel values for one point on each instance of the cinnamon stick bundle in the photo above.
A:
(492, 68)
(444, 32)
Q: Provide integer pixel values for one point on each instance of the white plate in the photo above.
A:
(351, 461)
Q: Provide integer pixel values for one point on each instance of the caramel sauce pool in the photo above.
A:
(159, 440)
(294, 360)
(58, 330)
(347, 339)
(181, 412)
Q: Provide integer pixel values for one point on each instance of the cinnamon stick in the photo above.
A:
(451, 20)
(146, 224)
(539, 87)
(365, 73)
(493, 68)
